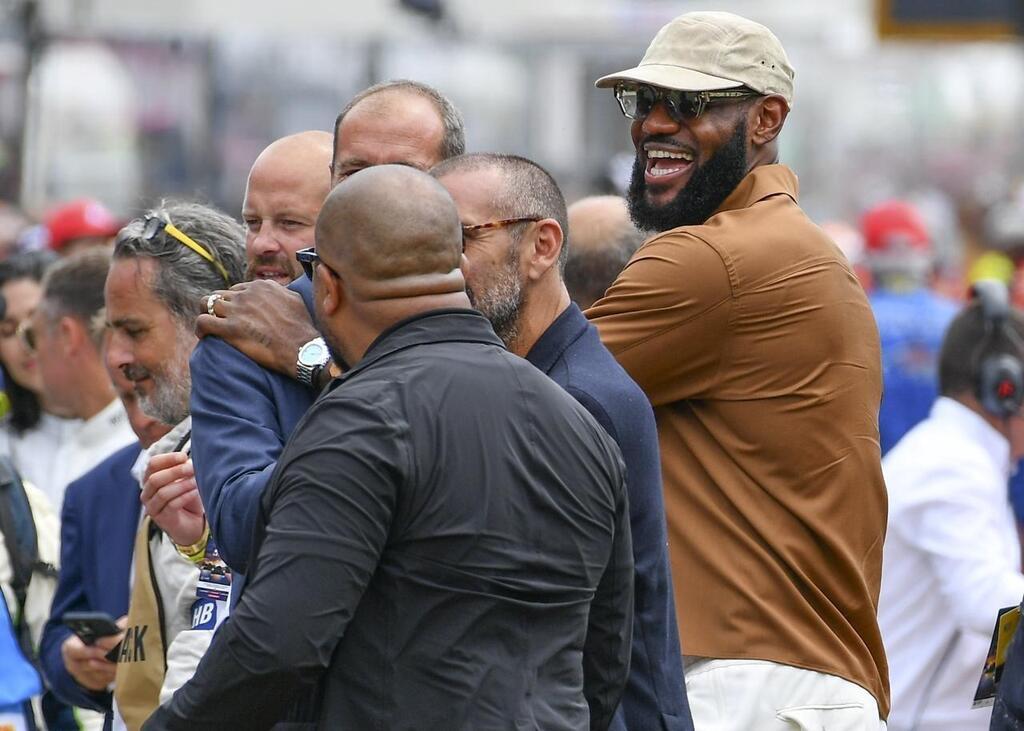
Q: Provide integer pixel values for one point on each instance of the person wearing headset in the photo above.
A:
(952, 558)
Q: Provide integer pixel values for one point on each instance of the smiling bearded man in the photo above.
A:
(748, 332)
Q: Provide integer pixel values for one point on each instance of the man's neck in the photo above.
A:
(94, 403)
(95, 391)
(543, 305)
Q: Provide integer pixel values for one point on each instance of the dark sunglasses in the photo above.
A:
(309, 259)
(637, 101)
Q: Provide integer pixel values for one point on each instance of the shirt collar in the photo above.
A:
(435, 326)
(762, 182)
(102, 425)
(554, 341)
(951, 411)
(172, 439)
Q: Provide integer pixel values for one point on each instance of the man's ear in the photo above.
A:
(332, 292)
(547, 246)
(769, 114)
(71, 335)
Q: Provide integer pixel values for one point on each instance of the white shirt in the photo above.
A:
(89, 443)
(33, 451)
(951, 561)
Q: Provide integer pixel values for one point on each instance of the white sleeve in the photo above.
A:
(965, 529)
(178, 578)
(42, 588)
(183, 656)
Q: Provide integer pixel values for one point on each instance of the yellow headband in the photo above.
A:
(190, 243)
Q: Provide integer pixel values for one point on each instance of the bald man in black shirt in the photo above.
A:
(445, 542)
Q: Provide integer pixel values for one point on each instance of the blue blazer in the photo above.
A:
(99, 520)
(242, 415)
(570, 352)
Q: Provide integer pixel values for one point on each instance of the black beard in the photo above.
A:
(709, 186)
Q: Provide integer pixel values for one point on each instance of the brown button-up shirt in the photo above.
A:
(758, 349)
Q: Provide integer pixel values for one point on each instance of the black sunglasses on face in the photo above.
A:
(637, 101)
(307, 258)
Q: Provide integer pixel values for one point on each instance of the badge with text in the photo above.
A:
(1006, 626)
(211, 605)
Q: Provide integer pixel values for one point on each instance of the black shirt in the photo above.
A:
(444, 545)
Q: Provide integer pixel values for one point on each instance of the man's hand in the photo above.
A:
(171, 497)
(87, 664)
(262, 319)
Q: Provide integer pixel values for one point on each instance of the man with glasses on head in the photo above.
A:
(163, 262)
(755, 343)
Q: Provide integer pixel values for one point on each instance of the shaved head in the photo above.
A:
(390, 222)
(283, 194)
(303, 151)
(603, 240)
(391, 239)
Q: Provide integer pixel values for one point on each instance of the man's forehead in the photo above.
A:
(129, 286)
(474, 191)
(382, 134)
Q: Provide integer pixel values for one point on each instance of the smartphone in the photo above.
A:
(90, 626)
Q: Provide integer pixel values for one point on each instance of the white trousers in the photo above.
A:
(756, 695)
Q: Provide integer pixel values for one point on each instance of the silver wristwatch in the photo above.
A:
(313, 356)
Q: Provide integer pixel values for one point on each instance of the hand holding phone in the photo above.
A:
(90, 626)
(91, 652)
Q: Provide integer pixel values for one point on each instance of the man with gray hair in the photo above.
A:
(71, 366)
(603, 239)
(162, 263)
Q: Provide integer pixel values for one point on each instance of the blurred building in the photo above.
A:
(192, 90)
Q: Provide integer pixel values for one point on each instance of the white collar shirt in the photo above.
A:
(89, 443)
(951, 561)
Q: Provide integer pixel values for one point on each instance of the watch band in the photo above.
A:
(306, 374)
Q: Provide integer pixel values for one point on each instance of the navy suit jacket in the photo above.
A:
(99, 520)
(571, 354)
(242, 415)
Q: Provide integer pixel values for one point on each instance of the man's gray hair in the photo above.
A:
(183, 277)
(454, 141)
(74, 287)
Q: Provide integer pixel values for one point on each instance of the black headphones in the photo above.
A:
(999, 377)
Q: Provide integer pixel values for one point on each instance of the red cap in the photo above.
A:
(894, 226)
(80, 219)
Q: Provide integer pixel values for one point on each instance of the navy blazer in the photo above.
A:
(571, 354)
(242, 415)
(99, 520)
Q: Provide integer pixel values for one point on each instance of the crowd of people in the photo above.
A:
(416, 445)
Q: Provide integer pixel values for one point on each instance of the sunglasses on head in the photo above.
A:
(638, 100)
(154, 225)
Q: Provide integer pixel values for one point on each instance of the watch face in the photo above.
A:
(313, 353)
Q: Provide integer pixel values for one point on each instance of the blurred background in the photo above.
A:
(125, 102)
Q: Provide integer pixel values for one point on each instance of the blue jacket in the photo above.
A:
(911, 326)
(97, 534)
(571, 354)
(242, 415)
